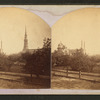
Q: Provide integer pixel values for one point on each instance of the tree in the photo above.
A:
(15, 57)
(60, 56)
(5, 62)
(39, 62)
(3, 58)
(81, 61)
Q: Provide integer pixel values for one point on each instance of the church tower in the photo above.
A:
(25, 42)
(1, 50)
(83, 47)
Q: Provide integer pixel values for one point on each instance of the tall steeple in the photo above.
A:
(1, 50)
(81, 44)
(25, 41)
(84, 49)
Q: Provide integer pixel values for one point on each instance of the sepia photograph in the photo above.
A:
(25, 49)
(49, 49)
(76, 49)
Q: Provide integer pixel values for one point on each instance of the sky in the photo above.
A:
(80, 25)
(12, 30)
(49, 15)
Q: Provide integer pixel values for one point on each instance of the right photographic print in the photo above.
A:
(76, 49)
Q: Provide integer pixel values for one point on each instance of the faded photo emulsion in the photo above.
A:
(25, 47)
(49, 49)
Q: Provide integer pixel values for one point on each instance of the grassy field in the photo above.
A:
(88, 80)
(9, 80)
(71, 83)
(17, 78)
(36, 84)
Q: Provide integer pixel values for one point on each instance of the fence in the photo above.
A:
(76, 74)
(11, 76)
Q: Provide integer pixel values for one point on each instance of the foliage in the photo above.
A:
(78, 60)
(5, 63)
(81, 61)
(15, 57)
(60, 60)
(39, 62)
(60, 56)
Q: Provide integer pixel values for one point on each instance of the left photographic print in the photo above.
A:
(25, 48)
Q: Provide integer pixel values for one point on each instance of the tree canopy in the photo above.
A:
(39, 62)
(78, 60)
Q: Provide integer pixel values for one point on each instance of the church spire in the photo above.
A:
(1, 51)
(25, 41)
(25, 33)
(81, 44)
(84, 48)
